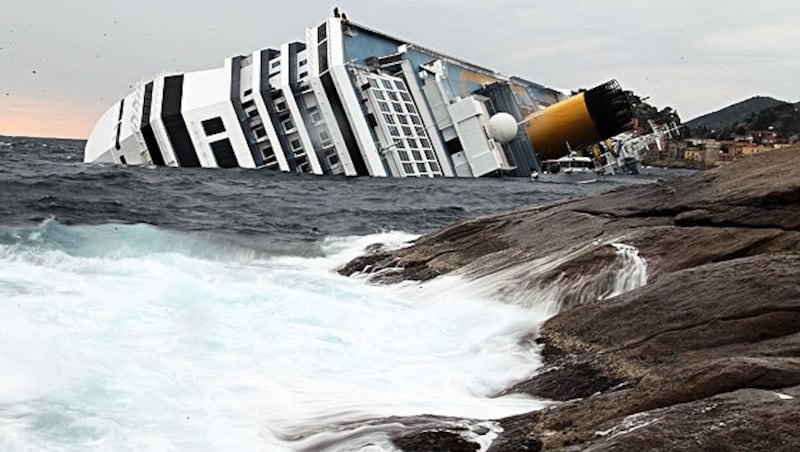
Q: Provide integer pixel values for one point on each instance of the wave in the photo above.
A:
(137, 337)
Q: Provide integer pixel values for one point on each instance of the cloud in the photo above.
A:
(697, 56)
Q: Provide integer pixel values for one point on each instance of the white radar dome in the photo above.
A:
(502, 127)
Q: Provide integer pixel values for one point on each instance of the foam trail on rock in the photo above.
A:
(633, 273)
(576, 275)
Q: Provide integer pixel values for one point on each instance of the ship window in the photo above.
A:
(322, 50)
(288, 125)
(268, 154)
(380, 95)
(415, 119)
(407, 131)
(247, 92)
(315, 116)
(403, 119)
(405, 96)
(399, 144)
(397, 107)
(303, 75)
(280, 106)
(389, 118)
(400, 85)
(429, 154)
(434, 167)
(425, 143)
(411, 108)
(213, 126)
(392, 95)
(384, 107)
(324, 138)
(386, 84)
(224, 154)
(275, 64)
(252, 113)
(454, 146)
(333, 159)
(408, 168)
(260, 132)
(393, 131)
(296, 145)
(249, 104)
(422, 168)
(416, 154)
(403, 155)
(302, 63)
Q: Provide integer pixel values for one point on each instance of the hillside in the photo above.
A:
(784, 119)
(735, 113)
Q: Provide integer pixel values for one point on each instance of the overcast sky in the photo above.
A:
(63, 63)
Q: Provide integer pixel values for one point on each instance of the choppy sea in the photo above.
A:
(148, 308)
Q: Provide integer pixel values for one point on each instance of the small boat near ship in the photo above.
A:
(569, 169)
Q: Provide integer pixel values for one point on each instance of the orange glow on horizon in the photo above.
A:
(47, 118)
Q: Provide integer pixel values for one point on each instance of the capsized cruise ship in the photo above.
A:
(350, 100)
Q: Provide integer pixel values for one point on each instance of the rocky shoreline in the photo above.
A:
(706, 356)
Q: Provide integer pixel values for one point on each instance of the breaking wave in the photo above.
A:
(120, 336)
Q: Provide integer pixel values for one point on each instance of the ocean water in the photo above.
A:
(189, 309)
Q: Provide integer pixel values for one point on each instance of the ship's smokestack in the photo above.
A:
(583, 119)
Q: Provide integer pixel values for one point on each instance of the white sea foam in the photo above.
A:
(632, 274)
(135, 338)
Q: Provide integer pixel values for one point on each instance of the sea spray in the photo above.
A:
(131, 336)
(547, 283)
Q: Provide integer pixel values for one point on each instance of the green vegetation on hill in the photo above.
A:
(783, 118)
(733, 114)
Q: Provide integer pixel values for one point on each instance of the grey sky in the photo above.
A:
(695, 55)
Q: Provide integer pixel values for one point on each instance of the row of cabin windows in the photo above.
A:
(407, 131)
(397, 107)
(391, 85)
(416, 154)
(421, 169)
(392, 95)
(401, 119)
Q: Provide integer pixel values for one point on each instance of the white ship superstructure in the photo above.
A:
(349, 100)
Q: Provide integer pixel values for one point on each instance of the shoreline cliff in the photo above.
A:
(705, 356)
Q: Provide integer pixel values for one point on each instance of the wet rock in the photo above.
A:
(567, 380)
(748, 419)
(434, 441)
(706, 356)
